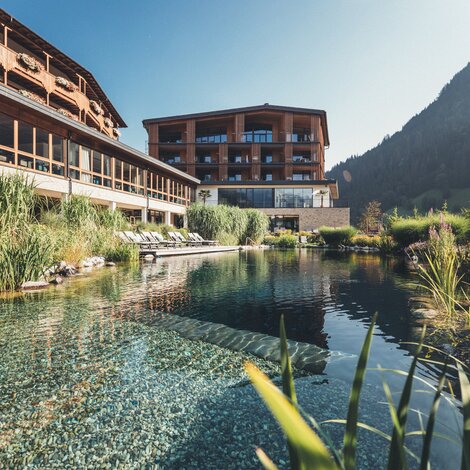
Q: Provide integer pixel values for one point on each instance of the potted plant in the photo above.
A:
(29, 62)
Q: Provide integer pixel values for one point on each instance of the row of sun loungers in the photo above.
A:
(150, 241)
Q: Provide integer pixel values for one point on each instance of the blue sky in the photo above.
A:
(370, 64)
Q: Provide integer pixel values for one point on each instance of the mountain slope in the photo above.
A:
(429, 156)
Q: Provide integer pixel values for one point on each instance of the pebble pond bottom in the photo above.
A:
(88, 380)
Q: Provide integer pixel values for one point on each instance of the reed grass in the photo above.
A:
(312, 449)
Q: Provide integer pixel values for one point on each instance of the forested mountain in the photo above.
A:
(422, 165)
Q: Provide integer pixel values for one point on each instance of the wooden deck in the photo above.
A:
(188, 250)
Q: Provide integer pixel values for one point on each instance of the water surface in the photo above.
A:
(89, 378)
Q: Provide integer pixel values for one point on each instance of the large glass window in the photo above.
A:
(57, 148)
(246, 197)
(42, 143)
(6, 131)
(97, 157)
(293, 197)
(85, 164)
(258, 133)
(73, 154)
(211, 136)
(106, 165)
(25, 137)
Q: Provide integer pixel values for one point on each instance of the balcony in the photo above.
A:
(59, 90)
(257, 136)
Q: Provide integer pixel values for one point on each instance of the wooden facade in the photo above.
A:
(58, 126)
(259, 143)
(39, 71)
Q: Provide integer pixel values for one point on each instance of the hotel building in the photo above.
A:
(268, 157)
(58, 126)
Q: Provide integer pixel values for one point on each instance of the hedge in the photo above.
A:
(337, 236)
(408, 231)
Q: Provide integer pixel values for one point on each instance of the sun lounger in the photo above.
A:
(205, 242)
(175, 238)
(140, 240)
(188, 241)
(162, 240)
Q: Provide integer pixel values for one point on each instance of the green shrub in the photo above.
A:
(78, 211)
(412, 230)
(287, 241)
(270, 240)
(337, 236)
(112, 219)
(122, 252)
(365, 241)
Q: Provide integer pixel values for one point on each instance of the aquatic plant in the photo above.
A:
(312, 448)
(337, 236)
(440, 273)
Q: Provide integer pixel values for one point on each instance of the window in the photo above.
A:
(57, 148)
(42, 143)
(25, 162)
(73, 154)
(106, 165)
(246, 197)
(117, 169)
(268, 177)
(268, 159)
(85, 164)
(7, 157)
(97, 157)
(25, 137)
(6, 131)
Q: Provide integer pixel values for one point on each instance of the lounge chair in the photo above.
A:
(175, 238)
(194, 239)
(140, 240)
(188, 241)
(148, 236)
(205, 242)
(162, 240)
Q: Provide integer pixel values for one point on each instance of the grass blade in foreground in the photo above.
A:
(465, 391)
(425, 454)
(350, 436)
(267, 463)
(311, 451)
(396, 456)
(288, 386)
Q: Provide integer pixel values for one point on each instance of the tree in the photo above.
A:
(371, 218)
(204, 194)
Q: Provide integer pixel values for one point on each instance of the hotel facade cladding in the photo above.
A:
(58, 126)
(267, 157)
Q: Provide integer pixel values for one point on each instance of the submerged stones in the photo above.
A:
(304, 356)
(32, 285)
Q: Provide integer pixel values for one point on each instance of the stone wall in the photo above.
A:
(313, 218)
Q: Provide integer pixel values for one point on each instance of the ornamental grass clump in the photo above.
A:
(310, 447)
(439, 274)
(337, 236)
(25, 249)
(227, 224)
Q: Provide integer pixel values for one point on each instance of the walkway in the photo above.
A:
(188, 250)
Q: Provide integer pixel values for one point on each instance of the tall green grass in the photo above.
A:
(312, 449)
(440, 273)
(337, 236)
(230, 225)
(68, 231)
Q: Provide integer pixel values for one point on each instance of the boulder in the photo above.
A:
(110, 263)
(57, 280)
(34, 285)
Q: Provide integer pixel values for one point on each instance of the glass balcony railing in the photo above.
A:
(258, 136)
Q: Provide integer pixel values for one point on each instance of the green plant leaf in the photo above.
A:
(426, 452)
(312, 452)
(350, 435)
(288, 385)
(396, 460)
(267, 463)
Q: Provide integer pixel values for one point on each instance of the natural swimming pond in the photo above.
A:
(92, 376)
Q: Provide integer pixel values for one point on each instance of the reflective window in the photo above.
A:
(246, 197)
(7, 157)
(73, 154)
(25, 137)
(97, 156)
(85, 162)
(106, 165)
(57, 148)
(6, 131)
(42, 143)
